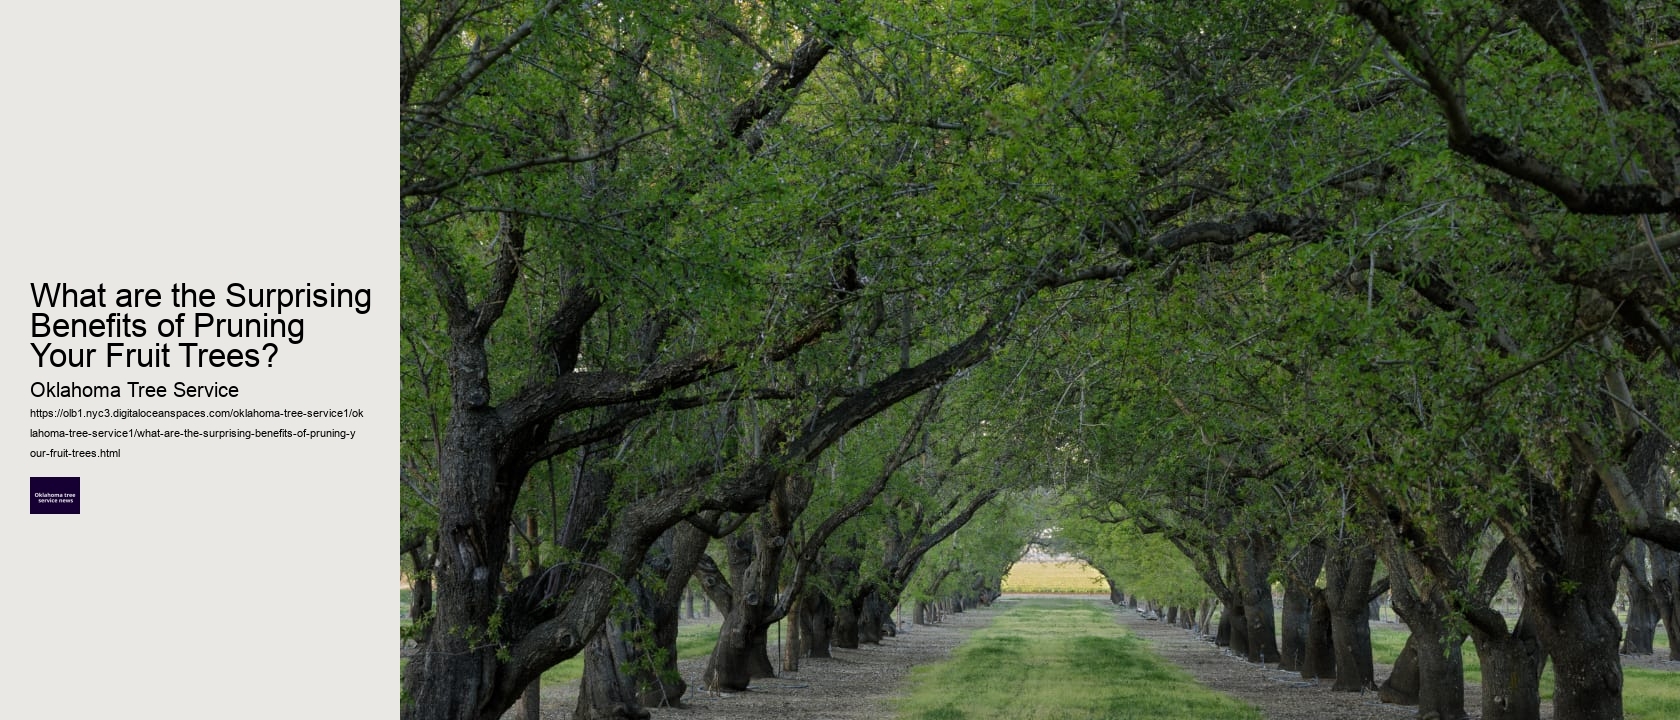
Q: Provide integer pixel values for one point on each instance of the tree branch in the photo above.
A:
(1497, 153)
(440, 186)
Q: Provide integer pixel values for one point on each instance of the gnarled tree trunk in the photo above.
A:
(742, 653)
(1347, 592)
(1297, 605)
(1642, 612)
(611, 693)
(1665, 584)
(816, 623)
(1511, 667)
(1254, 571)
(1320, 658)
(1436, 656)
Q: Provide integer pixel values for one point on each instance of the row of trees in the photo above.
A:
(1268, 281)
(1474, 383)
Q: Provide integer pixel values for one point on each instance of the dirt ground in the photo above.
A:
(860, 684)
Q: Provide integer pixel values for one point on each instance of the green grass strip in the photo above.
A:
(1650, 694)
(1064, 660)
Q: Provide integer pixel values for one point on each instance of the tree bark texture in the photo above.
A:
(742, 651)
(1347, 591)
(1257, 556)
(1237, 631)
(1319, 661)
(611, 694)
(640, 653)
(1665, 585)
(1511, 666)
(1437, 657)
(816, 620)
(1304, 568)
(1401, 686)
(1569, 584)
(1642, 613)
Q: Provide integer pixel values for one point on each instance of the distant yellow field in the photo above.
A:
(1071, 576)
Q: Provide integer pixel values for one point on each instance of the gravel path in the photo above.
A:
(861, 684)
(1280, 694)
(1283, 695)
(853, 685)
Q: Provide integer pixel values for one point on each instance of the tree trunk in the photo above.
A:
(1511, 667)
(1401, 687)
(420, 585)
(1665, 584)
(1578, 627)
(845, 626)
(1642, 613)
(1297, 625)
(457, 674)
(608, 689)
(450, 677)
(1319, 660)
(1350, 631)
(1297, 605)
(1236, 615)
(643, 652)
(1569, 586)
(1421, 599)
(529, 706)
(1257, 556)
(742, 653)
(790, 654)
(816, 620)
(1440, 675)
(919, 615)
(658, 682)
(1429, 673)
(871, 618)
(609, 692)
(1347, 589)
(672, 561)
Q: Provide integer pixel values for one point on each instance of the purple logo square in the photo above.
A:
(55, 496)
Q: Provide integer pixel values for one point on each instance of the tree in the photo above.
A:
(581, 279)
(1244, 267)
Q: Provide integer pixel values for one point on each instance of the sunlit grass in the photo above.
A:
(1050, 658)
(1650, 694)
(1053, 577)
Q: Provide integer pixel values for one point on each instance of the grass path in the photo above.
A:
(1053, 658)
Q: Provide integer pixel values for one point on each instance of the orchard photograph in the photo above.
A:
(998, 359)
